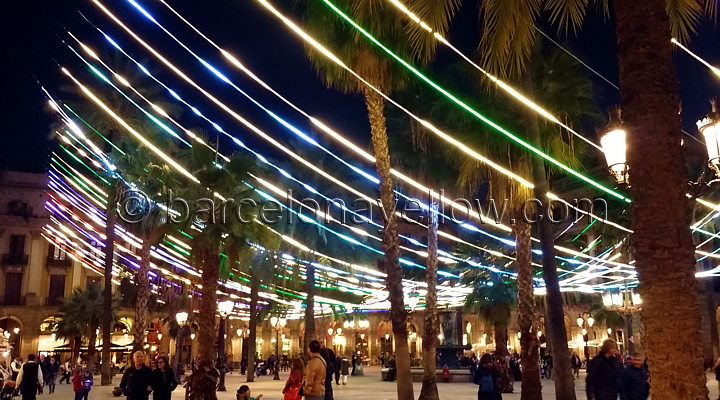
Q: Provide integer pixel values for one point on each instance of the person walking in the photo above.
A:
(291, 391)
(66, 372)
(137, 380)
(164, 381)
(15, 367)
(29, 379)
(314, 386)
(337, 362)
(634, 380)
(52, 370)
(486, 377)
(344, 370)
(603, 373)
(329, 356)
(575, 363)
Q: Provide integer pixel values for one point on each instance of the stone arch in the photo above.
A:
(13, 330)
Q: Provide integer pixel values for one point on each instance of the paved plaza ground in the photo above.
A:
(368, 387)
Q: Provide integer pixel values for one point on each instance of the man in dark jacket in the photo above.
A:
(29, 379)
(137, 380)
(603, 373)
(634, 380)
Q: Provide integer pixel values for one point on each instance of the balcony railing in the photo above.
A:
(15, 259)
(53, 262)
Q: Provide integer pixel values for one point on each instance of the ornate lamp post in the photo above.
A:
(278, 325)
(710, 129)
(613, 140)
(626, 302)
(183, 332)
(582, 321)
(224, 308)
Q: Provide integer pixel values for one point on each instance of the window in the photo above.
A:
(13, 284)
(57, 252)
(17, 208)
(56, 293)
(17, 245)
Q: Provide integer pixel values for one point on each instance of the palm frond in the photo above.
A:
(508, 34)
(568, 15)
(437, 14)
(684, 17)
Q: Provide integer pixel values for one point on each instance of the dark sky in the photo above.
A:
(31, 48)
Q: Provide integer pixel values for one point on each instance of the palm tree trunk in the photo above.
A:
(106, 377)
(564, 380)
(76, 344)
(252, 336)
(143, 295)
(662, 239)
(502, 357)
(378, 130)
(208, 305)
(430, 332)
(309, 335)
(92, 338)
(531, 387)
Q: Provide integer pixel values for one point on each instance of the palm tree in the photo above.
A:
(649, 98)
(218, 233)
(567, 92)
(156, 181)
(112, 129)
(434, 170)
(493, 300)
(386, 76)
(81, 313)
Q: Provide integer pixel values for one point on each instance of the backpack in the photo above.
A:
(486, 381)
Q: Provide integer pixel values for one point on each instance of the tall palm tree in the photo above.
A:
(436, 171)
(113, 149)
(493, 300)
(567, 92)
(215, 231)
(387, 76)
(156, 181)
(649, 98)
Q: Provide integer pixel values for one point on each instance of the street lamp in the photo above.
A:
(627, 302)
(224, 308)
(710, 129)
(181, 318)
(614, 145)
(583, 321)
(278, 324)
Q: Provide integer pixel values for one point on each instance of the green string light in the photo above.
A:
(471, 110)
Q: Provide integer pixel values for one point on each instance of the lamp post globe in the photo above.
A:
(613, 140)
(709, 127)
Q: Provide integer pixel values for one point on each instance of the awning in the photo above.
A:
(67, 348)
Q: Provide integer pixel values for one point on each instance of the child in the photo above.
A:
(244, 394)
(78, 386)
(446, 373)
(87, 384)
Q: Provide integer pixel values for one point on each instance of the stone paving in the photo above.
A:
(359, 387)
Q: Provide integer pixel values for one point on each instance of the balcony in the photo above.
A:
(58, 263)
(14, 260)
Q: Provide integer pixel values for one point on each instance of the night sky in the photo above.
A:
(31, 50)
